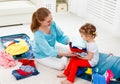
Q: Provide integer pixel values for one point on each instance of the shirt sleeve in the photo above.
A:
(61, 38)
(44, 46)
(92, 47)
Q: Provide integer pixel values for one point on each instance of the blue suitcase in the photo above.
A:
(28, 54)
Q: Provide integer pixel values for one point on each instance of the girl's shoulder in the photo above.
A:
(92, 45)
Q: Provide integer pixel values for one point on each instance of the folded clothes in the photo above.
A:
(27, 69)
(76, 49)
(18, 76)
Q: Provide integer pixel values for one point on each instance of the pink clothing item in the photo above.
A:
(109, 75)
(6, 60)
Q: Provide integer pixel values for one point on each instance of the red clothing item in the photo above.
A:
(75, 49)
(72, 67)
(27, 62)
(24, 73)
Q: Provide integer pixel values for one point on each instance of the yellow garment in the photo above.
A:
(89, 71)
(17, 48)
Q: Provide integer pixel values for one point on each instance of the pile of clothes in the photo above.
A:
(27, 69)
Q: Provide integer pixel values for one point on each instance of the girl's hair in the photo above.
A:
(88, 29)
(37, 16)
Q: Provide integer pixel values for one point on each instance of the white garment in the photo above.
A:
(92, 47)
(54, 62)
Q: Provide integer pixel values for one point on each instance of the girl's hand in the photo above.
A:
(67, 54)
(78, 56)
(70, 54)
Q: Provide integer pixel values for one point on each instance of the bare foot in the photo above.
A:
(66, 82)
(61, 75)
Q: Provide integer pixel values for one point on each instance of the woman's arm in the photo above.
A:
(44, 45)
(60, 37)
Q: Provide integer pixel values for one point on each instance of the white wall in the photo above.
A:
(103, 13)
(78, 7)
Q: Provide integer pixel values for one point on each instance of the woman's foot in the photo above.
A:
(66, 82)
(61, 75)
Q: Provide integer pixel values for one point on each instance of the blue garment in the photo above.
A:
(80, 71)
(44, 44)
(98, 79)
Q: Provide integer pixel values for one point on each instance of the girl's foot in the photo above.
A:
(61, 75)
(66, 82)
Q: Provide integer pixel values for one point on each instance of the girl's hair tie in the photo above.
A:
(94, 32)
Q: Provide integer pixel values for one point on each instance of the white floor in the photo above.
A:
(70, 24)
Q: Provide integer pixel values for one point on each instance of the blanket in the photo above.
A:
(106, 62)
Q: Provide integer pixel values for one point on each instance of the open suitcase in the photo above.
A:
(8, 38)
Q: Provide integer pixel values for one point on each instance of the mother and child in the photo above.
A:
(47, 33)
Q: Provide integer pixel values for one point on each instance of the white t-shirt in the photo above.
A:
(92, 47)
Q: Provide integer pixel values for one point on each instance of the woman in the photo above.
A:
(46, 33)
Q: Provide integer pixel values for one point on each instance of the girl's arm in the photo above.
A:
(67, 54)
(89, 57)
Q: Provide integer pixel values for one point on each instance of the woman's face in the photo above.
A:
(47, 21)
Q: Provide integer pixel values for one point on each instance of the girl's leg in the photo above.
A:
(53, 62)
(68, 68)
(66, 82)
(74, 68)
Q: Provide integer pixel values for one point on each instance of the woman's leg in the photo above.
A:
(53, 62)
(61, 47)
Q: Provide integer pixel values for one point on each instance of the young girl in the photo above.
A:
(88, 33)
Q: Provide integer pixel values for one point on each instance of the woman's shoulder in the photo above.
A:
(53, 25)
(37, 33)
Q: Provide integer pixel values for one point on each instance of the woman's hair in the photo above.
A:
(88, 29)
(37, 16)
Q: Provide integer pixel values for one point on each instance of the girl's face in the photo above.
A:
(47, 22)
(86, 37)
(83, 36)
